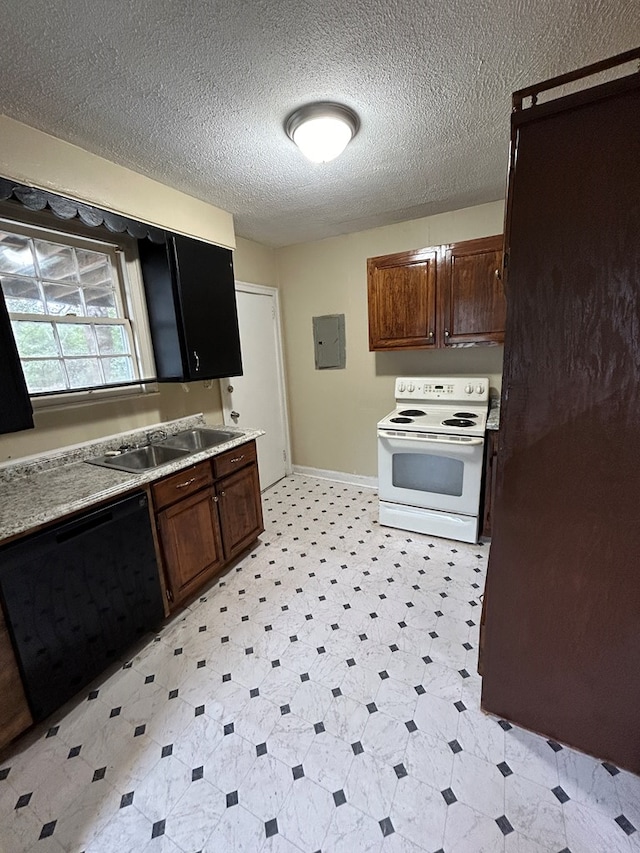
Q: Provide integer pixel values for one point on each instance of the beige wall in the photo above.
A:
(334, 412)
(254, 263)
(35, 158)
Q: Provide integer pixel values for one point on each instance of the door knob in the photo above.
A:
(235, 415)
(230, 389)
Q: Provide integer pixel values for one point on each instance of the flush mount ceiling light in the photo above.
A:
(322, 130)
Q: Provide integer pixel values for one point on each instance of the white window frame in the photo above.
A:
(123, 251)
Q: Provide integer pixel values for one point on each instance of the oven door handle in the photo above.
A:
(425, 439)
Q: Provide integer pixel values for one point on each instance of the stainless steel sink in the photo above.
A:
(200, 438)
(141, 459)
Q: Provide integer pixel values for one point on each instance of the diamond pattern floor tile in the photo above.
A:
(321, 695)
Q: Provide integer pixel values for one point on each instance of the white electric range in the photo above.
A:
(430, 456)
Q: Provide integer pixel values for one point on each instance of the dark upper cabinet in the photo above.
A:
(191, 302)
(15, 406)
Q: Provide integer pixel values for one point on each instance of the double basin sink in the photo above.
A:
(162, 452)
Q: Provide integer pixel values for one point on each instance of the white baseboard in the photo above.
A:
(339, 476)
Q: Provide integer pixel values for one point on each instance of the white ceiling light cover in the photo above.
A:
(322, 131)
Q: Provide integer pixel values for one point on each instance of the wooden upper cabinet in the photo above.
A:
(402, 300)
(473, 307)
(437, 297)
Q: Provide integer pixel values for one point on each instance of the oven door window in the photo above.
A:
(425, 472)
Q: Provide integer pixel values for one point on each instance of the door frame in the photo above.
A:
(266, 290)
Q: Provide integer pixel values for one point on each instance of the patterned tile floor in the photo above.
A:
(321, 696)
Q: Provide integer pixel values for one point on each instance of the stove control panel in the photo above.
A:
(450, 388)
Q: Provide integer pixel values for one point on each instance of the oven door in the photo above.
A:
(434, 472)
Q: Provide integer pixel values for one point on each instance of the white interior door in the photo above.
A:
(257, 398)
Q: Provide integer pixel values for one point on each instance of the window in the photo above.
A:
(77, 310)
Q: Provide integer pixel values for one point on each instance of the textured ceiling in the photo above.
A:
(194, 93)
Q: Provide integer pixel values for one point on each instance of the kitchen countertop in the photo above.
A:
(493, 418)
(46, 487)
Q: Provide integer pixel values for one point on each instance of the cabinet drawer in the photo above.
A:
(180, 485)
(230, 461)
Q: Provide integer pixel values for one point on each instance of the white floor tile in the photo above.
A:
(243, 725)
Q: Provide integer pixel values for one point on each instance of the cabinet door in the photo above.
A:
(471, 296)
(240, 509)
(15, 716)
(206, 288)
(191, 303)
(402, 300)
(191, 543)
(15, 410)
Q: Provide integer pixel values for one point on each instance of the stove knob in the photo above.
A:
(468, 389)
(480, 389)
(401, 387)
(411, 388)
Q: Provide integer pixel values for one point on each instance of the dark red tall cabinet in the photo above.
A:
(561, 631)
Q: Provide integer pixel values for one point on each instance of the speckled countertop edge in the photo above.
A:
(493, 418)
(42, 489)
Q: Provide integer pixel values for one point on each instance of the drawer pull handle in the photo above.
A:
(237, 459)
(186, 483)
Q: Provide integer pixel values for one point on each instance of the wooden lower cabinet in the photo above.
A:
(191, 543)
(15, 715)
(204, 519)
(240, 509)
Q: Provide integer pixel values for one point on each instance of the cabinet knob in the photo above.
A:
(235, 415)
(446, 333)
(230, 389)
(214, 498)
(498, 275)
(431, 334)
(222, 494)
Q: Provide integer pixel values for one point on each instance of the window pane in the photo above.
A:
(112, 340)
(42, 376)
(15, 254)
(100, 302)
(22, 295)
(34, 339)
(118, 370)
(94, 268)
(61, 299)
(83, 372)
(55, 261)
(74, 299)
(77, 339)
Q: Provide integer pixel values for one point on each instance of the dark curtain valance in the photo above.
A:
(65, 208)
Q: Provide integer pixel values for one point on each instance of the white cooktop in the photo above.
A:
(425, 404)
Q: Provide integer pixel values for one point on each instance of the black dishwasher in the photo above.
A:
(77, 595)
